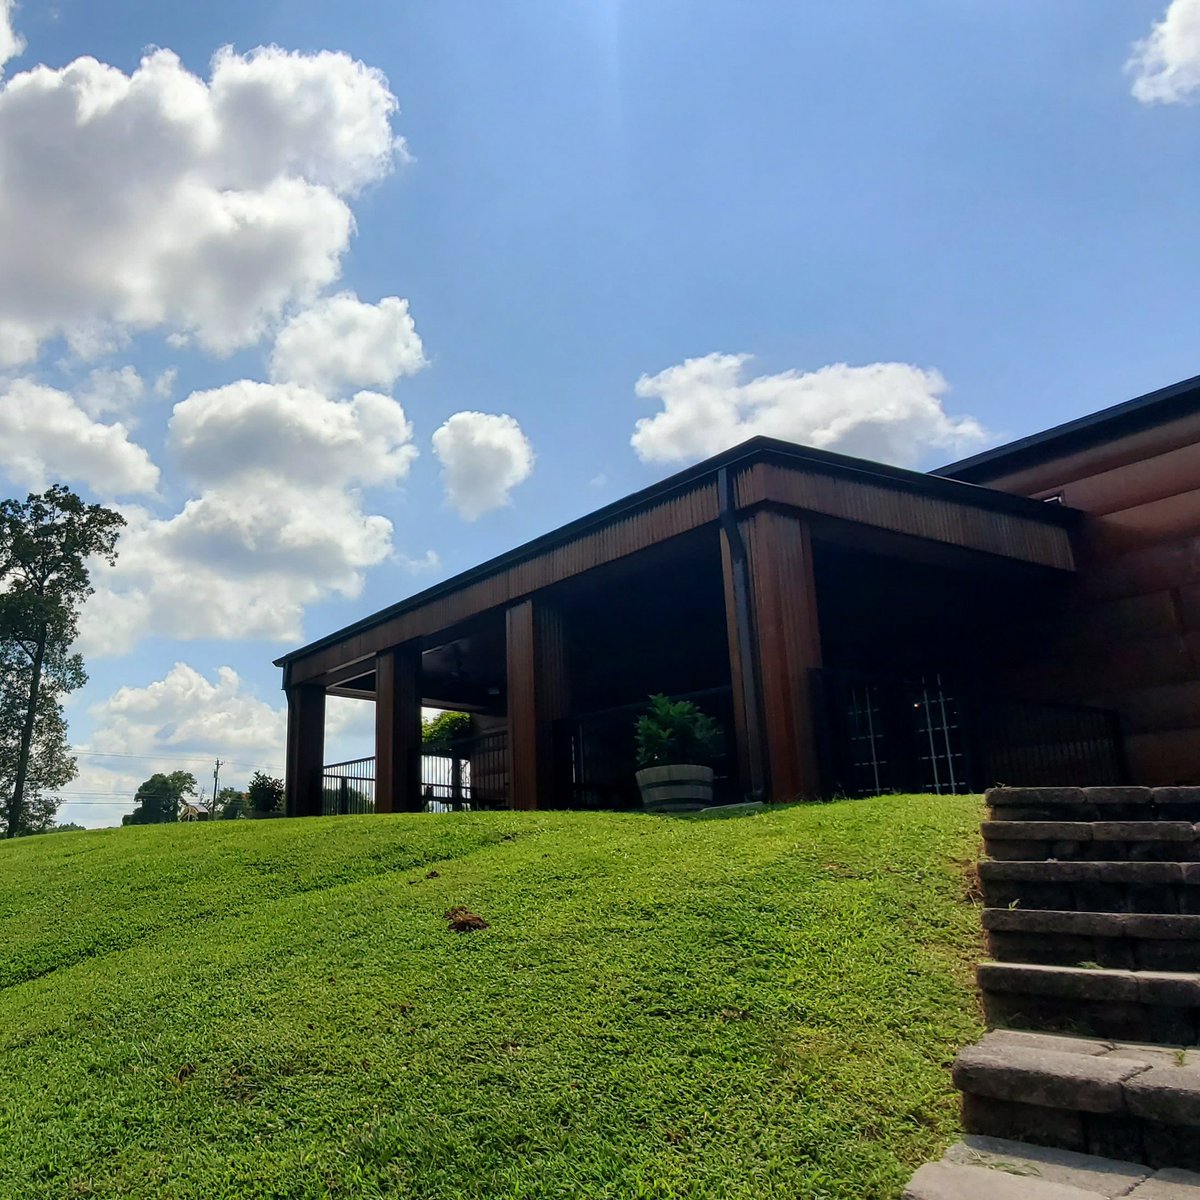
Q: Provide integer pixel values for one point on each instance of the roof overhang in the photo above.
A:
(765, 472)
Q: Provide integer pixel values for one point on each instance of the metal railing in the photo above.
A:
(472, 774)
(348, 787)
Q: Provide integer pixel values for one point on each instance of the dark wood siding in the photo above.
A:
(1131, 640)
(854, 498)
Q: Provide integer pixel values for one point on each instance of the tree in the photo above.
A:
(46, 543)
(230, 804)
(157, 800)
(264, 793)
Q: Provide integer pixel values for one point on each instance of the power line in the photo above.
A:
(198, 758)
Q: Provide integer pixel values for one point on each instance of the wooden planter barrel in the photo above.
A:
(676, 788)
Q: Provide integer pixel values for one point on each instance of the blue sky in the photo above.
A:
(902, 231)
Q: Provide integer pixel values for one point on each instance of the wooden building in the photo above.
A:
(1127, 637)
(1030, 615)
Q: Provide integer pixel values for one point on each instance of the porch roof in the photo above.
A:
(763, 471)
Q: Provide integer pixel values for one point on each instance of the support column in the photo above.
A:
(398, 729)
(776, 743)
(538, 695)
(305, 750)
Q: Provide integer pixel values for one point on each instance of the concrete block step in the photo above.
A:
(1139, 1006)
(948, 1181)
(1128, 941)
(1093, 886)
(1110, 841)
(1095, 804)
(1115, 1100)
(1018, 1169)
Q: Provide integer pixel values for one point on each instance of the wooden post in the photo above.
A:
(779, 548)
(305, 750)
(538, 695)
(398, 729)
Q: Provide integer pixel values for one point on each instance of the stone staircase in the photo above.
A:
(1088, 1085)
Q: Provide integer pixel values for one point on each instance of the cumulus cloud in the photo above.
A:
(185, 711)
(205, 209)
(483, 456)
(890, 412)
(11, 43)
(342, 342)
(292, 430)
(46, 436)
(279, 522)
(1166, 64)
(112, 391)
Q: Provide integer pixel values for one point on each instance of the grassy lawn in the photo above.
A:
(756, 1007)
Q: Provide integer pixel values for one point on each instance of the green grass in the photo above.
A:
(756, 1007)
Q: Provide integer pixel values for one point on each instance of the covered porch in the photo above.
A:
(792, 593)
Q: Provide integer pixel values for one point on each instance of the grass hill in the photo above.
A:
(754, 1007)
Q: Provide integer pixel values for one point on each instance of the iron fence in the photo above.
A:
(471, 774)
(348, 787)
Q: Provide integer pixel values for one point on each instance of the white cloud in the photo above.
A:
(483, 456)
(1166, 65)
(184, 711)
(11, 43)
(294, 431)
(164, 385)
(343, 342)
(45, 436)
(243, 560)
(112, 391)
(278, 524)
(203, 209)
(890, 412)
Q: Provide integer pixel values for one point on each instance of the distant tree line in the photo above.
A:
(162, 798)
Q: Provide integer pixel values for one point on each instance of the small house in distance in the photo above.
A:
(1030, 615)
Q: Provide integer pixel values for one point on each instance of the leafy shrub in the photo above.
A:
(676, 731)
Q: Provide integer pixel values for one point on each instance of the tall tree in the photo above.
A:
(46, 542)
(158, 799)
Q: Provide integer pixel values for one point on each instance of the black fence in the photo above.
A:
(597, 761)
(934, 734)
(472, 774)
(348, 787)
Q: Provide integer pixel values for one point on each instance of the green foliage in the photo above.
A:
(158, 799)
(264, 793)
(46, 543)
(231, 804)
(437, 733)
(677, 732)
(757, 1009)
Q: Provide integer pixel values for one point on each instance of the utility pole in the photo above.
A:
(212, 808)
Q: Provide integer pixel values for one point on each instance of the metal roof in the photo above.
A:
(1154, 408)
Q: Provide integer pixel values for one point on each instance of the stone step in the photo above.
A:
(1138, 1006)
(1095, 804)
(979, 1167)
(1128, 941)
(1109, 841)
(1134, 1103)
(1093, 886)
